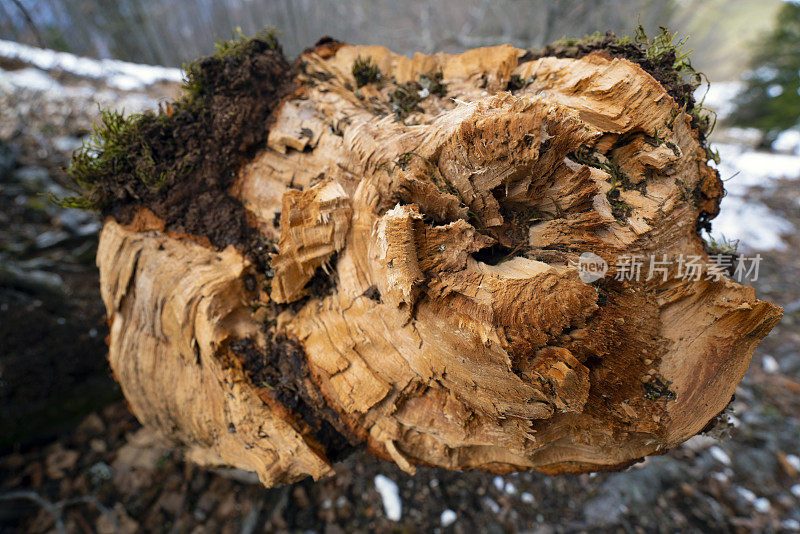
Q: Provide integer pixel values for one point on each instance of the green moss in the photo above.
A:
(565, 41)
(664, 44)
(675, 150)
(723, 246)
(586, 156)
(667, 50)
(620, 209)
(78, 202)
(404, 160)
(406, 97)
(712, 154)
(516, 82)
(118, 160)
(704, 120)
(686, 193)
(365, 72)
(238, 46)
(405, 100)
(654, 140)
(116, 146)
(433, 84)
(657, 388)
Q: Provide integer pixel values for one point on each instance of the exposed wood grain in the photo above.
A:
(420, 347)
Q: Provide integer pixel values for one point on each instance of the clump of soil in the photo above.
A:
(180, 161)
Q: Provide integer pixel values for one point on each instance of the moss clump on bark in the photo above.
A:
(516, 82)
(433, 84)
(365, 72)
(180, 160)
(406, 98)
(620, 209)
(239, 46)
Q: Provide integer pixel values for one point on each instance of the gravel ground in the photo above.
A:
(73, 458)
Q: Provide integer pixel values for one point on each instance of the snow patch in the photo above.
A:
(120, 74)
(492, 505)
(770, 364)
(29, 78)
(448, 517)
(751, 223)
(390, 496)
(740, 218)
(794, 461)
(762, 505)
(790, 524)
(719, 455)
(719, 96)
(499, 483)
(788, 141)
(84, 94)
(699, 443)
(746, 494)
(754, 167)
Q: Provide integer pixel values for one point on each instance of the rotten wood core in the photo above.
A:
(421, 301)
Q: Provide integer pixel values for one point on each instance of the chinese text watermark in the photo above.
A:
(688, 267)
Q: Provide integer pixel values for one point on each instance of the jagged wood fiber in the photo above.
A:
(386, 319)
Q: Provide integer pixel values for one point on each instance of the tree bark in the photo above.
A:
(422, 301)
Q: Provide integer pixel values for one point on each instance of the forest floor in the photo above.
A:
(72, 457)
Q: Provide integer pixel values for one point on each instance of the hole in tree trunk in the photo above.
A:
(494, 254)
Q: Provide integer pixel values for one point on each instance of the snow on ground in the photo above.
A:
(788, 141)
(28, 78)
(741, 218)
(36, 99)
(719, 96)
(390, 496)
(39, 95)
(448, 517)
(38, 81)
(119, 74)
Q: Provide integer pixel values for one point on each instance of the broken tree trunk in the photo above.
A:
(412, 287)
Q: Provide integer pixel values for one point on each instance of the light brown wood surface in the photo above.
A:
(417, 349)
